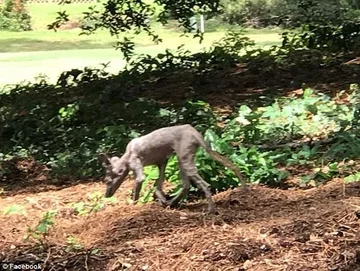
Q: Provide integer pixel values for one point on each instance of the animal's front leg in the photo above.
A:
(139, 179)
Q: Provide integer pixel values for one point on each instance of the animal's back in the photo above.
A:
(157, 145)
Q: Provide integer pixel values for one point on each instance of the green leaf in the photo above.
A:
(42, 228)
(111, 200)
(352, 178)
(151, 172)
(13, 209)
(95, 251)
(307, 92)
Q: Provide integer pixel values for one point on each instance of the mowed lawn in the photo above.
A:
(24, 55)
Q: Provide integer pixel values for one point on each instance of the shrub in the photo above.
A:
(287, 13)
(88, 111)
(14, 16)
(254, 13)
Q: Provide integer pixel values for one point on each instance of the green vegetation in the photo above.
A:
(14, 16)
(288, 13)
(65, 125)
(41, 39)
(95, 203)
(284, 109)
(43, 14)
(39, 233)
(13, 209)
(45, 40)
(27, 65)
(40, 47)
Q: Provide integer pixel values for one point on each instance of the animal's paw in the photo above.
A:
(172, 203)
(212, 210)
(162, 203)
(246, 188)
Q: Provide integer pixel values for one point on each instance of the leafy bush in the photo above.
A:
(65, 125)
(332, 38)
(312, 115)
(14, 16)
(297, 13)
(254, 13)
(287, 13)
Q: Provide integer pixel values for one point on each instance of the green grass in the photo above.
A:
(24, 64)
(45, 40)
(41, 39)
(27, 54)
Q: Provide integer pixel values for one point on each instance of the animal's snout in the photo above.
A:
(109, 192)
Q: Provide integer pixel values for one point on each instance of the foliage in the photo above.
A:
(352, 178)
(326, 37)
(253, 13)
(287, 13)
(314, 11)
(95, 203)
(133, 16)
(89, 111)
(64, 126)
(312, 115)
(255, 165)
(72, 244)
(14, 16)
(40, 232)
(323, 22)
(13, 209)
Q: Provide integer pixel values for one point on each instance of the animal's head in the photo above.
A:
(116, 171)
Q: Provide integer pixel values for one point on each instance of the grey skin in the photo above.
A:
(155, 148)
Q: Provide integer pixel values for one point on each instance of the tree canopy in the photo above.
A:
(124, 16)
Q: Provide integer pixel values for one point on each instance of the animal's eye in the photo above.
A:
(107, 180)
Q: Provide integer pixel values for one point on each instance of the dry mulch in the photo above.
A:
(266, 229)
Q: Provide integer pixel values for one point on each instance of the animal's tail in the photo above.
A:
(219, 158)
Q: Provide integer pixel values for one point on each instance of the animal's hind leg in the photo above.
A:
(205, 187)
(186, 156)
(184, 191)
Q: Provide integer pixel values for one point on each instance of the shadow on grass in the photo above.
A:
(32, 45)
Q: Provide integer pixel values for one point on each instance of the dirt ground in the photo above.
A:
(265, 229)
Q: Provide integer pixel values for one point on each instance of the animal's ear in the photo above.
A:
(104, 159)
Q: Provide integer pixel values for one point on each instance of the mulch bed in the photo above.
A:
(266, 229)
